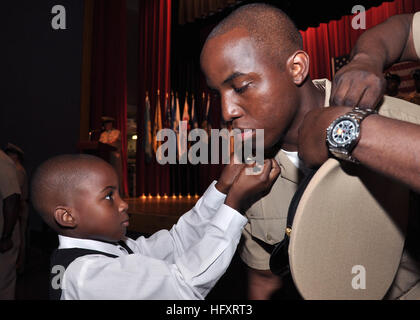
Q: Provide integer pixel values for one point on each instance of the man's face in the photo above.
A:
(101, 211)
(255, 92)
(108, 126)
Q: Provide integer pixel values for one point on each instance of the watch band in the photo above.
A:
(343, 155)
(358, 115)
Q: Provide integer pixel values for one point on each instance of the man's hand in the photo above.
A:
(360, 83)
(229, 174)
(248, 188)
(312, 146)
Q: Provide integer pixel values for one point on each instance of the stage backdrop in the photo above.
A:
(108, 75)
(154, 75)
(169, 60)
(336, 38)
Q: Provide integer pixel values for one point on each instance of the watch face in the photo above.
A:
(344, 132)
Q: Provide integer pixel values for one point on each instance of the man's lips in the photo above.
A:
(244, 133)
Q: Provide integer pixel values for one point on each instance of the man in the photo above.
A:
(254, 59)
(9, 227)
(16, 154)
(387, 146)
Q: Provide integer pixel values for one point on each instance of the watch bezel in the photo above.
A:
(346, 145)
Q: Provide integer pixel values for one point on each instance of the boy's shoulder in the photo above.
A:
(61, 259)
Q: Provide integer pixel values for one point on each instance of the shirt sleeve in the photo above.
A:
(187, 231)
(416, 32)
(191, 274)
(9, 181)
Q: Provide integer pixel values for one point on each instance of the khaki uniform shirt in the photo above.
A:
(416, 32)
(268, 217)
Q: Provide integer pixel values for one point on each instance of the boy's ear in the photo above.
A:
(65, 217)
(298, 66)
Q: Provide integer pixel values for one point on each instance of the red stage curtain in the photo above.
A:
(154, 74)
(109, 84)
(337, 38)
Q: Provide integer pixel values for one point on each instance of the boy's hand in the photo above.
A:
(229, 174)
(248, 188)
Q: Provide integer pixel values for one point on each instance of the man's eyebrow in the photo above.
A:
(109, 187)
(233, 76)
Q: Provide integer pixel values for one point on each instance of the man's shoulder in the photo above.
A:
(5, 159)
(399, 109)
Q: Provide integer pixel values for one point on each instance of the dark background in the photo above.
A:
(41, 69)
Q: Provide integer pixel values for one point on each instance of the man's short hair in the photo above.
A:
(269, 26)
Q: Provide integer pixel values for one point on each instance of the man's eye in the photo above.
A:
(241, 89)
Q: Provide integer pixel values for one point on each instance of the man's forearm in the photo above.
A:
(387, 43)
(391, 147)
(10, 214)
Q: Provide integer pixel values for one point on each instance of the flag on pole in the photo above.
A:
(168, 112)
(194, 121)
(182, 137)
(147, 139)
(177, 117)
(185, 114)
(157, 124)
(206, 124)
(173, 108)
(208, 106)
(177, 120)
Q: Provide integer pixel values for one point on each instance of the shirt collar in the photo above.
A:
(288, 170)
(69, 242)
(325, 85)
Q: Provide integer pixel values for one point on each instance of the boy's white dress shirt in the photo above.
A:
(182, 263)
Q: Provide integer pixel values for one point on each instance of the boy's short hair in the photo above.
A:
(55, 179)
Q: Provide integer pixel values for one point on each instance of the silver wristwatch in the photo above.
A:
(343, 134)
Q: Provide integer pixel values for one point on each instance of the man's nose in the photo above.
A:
(230, 110)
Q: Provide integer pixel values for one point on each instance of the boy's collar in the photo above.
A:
(107, 247)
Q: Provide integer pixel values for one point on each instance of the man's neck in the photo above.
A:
(311, 97)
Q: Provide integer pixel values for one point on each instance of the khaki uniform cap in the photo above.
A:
(349, 227)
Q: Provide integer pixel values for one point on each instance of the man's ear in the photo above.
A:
(65, 217)
(298, 66)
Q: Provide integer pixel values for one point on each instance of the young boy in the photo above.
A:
(77, 195)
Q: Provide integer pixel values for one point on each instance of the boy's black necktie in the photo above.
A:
(124, 245)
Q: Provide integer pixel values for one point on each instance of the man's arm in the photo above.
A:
(10, 216)
(10, 193)
(361, 82)
(387, 146)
